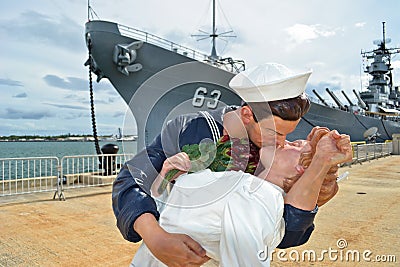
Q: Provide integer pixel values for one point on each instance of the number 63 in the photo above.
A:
(200, 95)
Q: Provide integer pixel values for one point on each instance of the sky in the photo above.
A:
(44, 83)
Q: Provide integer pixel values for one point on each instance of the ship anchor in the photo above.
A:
(124, 55)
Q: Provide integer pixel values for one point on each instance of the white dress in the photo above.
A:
(236, 217)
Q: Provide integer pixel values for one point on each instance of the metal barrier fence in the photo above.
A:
(367, 152)
(28, 175)
(42, 174)
(89, 170)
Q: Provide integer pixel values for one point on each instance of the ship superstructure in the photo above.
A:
(382, 97)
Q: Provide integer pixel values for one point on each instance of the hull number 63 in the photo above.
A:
(200, 96)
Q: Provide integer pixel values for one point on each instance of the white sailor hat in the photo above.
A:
(269, 82)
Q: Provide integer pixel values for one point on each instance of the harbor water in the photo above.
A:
(59, 149)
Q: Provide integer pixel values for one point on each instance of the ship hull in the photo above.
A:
(345, 122)
(171, 83)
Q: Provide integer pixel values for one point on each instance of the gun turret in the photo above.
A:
(360, 101)
(320, 98)
(337, 101)
(348, 99)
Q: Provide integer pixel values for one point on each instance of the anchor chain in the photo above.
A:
(96, 139)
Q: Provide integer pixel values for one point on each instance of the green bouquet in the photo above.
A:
(227, 154)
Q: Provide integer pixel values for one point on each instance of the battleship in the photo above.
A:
(160, 79)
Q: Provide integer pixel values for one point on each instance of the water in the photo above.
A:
(58, 149)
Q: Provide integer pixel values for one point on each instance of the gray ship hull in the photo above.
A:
(172, 81)
(345, 122)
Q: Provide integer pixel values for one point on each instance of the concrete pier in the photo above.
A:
(363, 218)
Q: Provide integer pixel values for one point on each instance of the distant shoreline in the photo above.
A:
(87, 141)
(66, 138)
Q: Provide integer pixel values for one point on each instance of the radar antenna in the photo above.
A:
(214, 35)
(371, 134)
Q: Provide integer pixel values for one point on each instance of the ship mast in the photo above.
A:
(230, 64)
(90, 12)
(383, 34)
(214, 35)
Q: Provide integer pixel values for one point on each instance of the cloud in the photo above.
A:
(76, 98)
(73, 83)
(111, 91)
(301, 33)
(176, 36)
(360, 24)
(396, 64)
(333, 86)
(98, 100)
(21, 95)
(74, 116)
(34, 26)
(69, 83)
(118, 114)
(10, 82)
(14, 114)
(66, 106)
(320, 88)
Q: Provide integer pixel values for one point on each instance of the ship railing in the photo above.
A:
(44, 174)
(367, 152)
(161, 42)
(28, 175)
